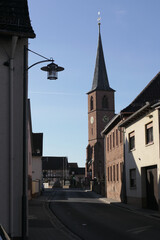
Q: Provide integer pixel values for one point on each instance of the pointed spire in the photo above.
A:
(100, 79)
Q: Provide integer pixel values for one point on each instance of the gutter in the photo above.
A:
(127, 121)
(109, 124)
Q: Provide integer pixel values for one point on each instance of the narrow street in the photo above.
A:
(84, 214)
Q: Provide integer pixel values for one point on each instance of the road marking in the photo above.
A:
(138, 230)
(84, 224)
(32, 217)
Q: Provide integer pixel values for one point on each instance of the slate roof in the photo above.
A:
(111, 124)
(73, 165)
(100, 79)
(14, 18)
(54, 163)
(77, 171)
(151, 93)
(37, 144)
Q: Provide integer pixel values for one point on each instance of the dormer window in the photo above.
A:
(91, 103)
(104, 102)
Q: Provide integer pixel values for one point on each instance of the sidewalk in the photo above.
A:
(142, 211)
(44, 225)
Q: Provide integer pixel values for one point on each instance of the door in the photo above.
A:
(152, 187)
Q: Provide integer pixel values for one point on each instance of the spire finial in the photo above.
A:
(99, 19)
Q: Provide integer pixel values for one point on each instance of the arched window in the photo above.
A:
(104, 102)
(91, 103)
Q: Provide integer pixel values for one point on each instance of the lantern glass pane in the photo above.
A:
(52, 75)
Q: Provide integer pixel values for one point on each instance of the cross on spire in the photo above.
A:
(99, 20)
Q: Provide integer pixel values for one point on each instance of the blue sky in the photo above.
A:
(67, 30)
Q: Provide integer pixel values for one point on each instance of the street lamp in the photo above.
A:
(52, 70)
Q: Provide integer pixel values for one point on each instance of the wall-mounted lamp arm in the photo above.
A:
(48, 60)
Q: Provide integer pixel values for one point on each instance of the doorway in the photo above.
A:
(152, 187)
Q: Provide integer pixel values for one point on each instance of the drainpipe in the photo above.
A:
(11, 150)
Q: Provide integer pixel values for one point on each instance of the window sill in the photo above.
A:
(148, 144)
(131, 150)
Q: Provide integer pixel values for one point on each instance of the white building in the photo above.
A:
(14, 34)
(142, 149)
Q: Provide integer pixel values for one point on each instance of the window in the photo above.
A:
(114, 173)
(108, 144)
(131, 140)
(104, 102)
(111, 173)
(117, 172)
(92, 130)
(149, 133)
(108, 174)
(110, 141)
(113, 140)
(133, 178)
(121, 135)
(91, 103)
(121, 169)
(116, 137)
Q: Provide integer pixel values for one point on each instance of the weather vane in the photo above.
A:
(99, 18)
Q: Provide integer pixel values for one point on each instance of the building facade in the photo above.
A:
(14, 34)
(142, 147)
(100, 111)
(55, 171)
(114, 160)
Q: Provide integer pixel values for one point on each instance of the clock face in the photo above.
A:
(92, 120)
(105, 119)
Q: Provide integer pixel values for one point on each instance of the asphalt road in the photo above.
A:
(91, 219)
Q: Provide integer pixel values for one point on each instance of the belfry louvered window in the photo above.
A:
(91, 103)
(104, 102)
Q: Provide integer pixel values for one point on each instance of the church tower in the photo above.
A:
(100, 111)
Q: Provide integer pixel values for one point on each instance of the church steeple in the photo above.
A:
(100, 111)
(100, 79)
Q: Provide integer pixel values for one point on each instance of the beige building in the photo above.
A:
(142, 156)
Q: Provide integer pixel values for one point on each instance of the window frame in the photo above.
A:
(117, 172)
(113, 138)
(110, 141)
(149, 133)
(132, 179)
(91, 103)
(131, 141)
(108, 144)
(116, 137)
(105, 102)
